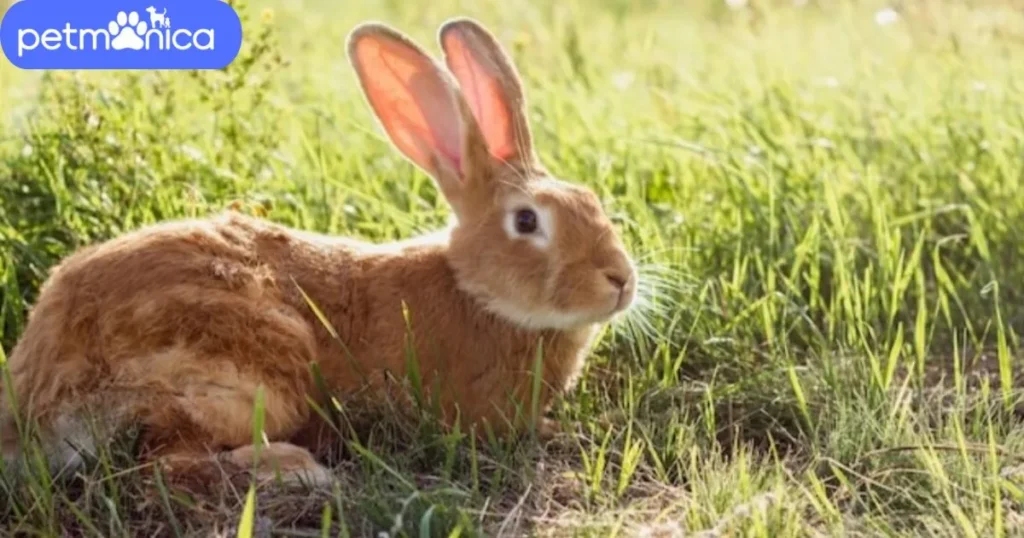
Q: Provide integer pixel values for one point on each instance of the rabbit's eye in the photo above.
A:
(526, 221)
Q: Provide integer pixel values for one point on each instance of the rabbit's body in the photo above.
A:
(180, 325)
(177, 324)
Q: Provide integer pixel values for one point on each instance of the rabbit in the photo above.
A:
(177, 326)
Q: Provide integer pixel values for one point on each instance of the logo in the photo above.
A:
(121, 34)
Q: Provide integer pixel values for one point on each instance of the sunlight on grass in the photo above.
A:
(823, 198)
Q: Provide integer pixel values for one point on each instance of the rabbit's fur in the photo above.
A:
(177, 325)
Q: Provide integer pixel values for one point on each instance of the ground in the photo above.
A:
(824, 198)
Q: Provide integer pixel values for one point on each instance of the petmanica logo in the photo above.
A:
(121, 34)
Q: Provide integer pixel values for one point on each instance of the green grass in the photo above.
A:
(828, 213)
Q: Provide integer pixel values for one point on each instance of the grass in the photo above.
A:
(827, 211)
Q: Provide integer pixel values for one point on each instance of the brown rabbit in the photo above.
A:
(176, 326)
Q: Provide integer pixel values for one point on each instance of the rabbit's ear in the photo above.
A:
(491, 85)
(419, 106)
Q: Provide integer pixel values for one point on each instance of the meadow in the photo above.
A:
(824, 198)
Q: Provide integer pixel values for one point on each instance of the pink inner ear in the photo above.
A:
(486, 96)
(412, 101)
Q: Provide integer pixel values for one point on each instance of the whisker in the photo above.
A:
(660, 252)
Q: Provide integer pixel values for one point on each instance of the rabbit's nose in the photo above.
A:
(617, 279)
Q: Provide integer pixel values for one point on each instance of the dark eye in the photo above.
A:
(526, 221)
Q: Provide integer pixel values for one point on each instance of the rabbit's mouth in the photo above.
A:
(625, 300)
(623, 293)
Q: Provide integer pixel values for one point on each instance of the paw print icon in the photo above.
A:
(127, 31)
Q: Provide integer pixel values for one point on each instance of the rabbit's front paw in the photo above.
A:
(547, 429)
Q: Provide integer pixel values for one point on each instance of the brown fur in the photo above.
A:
(178, 325)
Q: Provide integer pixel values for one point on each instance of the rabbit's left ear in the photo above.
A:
(491, 86)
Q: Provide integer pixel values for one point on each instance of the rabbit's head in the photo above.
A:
(536, 250)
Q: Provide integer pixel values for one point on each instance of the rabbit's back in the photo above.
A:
(173, 323)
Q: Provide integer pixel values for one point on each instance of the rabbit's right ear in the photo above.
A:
(420, 107)
(491, 84)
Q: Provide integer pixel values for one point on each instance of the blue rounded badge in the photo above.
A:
(121, 34)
